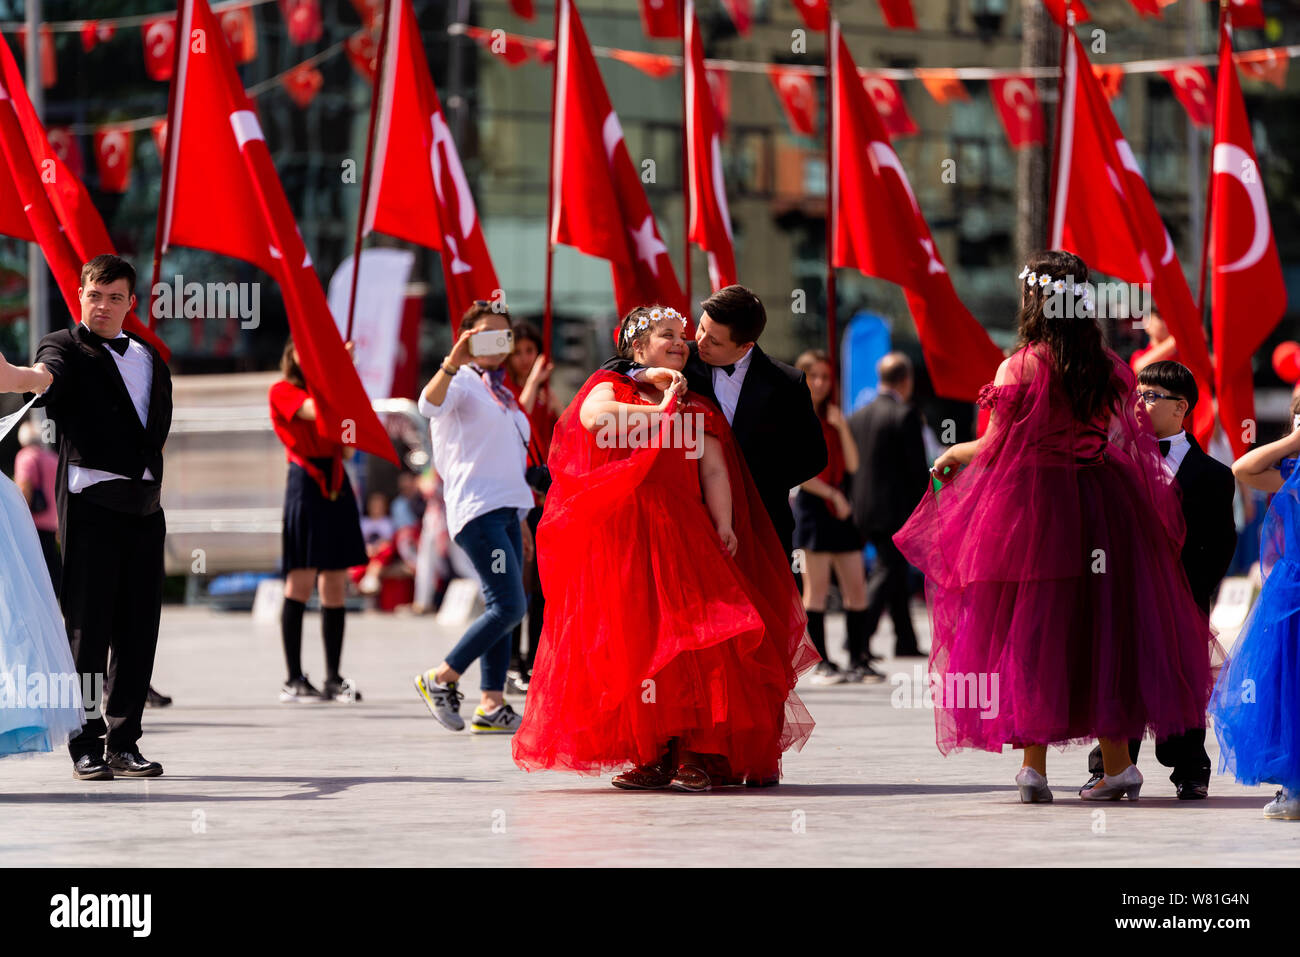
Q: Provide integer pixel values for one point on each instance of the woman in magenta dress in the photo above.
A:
(674, 634)
(1059, 608)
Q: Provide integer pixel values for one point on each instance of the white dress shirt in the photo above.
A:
(479, 449)
(727, 387)
(1178, 448)
(136, 369)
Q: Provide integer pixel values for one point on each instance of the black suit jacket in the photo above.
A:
(1207, 488)
(775, 426)
(94, 419)
(892, 467)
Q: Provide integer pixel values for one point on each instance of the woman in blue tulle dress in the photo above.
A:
(1256, 701)
(40, 690)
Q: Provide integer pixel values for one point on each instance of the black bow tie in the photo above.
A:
(118, 345)
(1164, 447)
(729, 368)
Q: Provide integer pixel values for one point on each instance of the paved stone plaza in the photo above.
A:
(253, 782)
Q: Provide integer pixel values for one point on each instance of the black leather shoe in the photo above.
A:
(88, 767)
(156, 699)
(1092, 782)
(130, 764)
(1192, 791)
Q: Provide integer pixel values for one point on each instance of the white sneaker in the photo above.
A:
(1285, 806)
(501, 721)
(443, 701)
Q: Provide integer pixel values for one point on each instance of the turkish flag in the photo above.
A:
(814, 13)
(362, 53)
(888, 101)
(1057, 9)
(798, 96)
(523, 9)
(49, 62)
(1247, 13)
(898, 14)
(113, 158)
(1267, 65)
(371, 12)
(420, 192)
(1147, 8)
(63, 220)
(241, 33)
(1246, 287)
(507, 46)
(598, 205)
(159, 34)
(1195, 90)
(93, 32)
(67, 148)
(661, 19)
(1020, 109)
(741, 13)
(710, 226)
(224, 196)
(879, 230)
(304, 20)
(719, 82)
(302, 83)
(1105, 214)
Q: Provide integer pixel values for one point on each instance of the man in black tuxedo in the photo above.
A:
(766, 402)
(1169, 392)
(111, 403)
(889, 483)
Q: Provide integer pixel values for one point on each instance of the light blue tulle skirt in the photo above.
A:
(40, 690)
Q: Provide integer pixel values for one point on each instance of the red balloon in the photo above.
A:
(1286, 361)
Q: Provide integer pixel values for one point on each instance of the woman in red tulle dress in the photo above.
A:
(674, 634)
(1059, 607)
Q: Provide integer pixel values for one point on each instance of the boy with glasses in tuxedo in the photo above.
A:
(1168, 392)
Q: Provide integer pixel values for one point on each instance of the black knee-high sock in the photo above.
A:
(859, 640)
(817, 631)
(291, 635)
(332, 629)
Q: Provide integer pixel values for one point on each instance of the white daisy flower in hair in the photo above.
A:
(1044, 280)
(1023, 273)
(655, 315)
(1058, 286)
(1031, 278)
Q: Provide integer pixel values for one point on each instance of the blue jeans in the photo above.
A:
(494, 544)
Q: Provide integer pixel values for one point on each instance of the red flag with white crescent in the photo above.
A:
(224, 196)
(241, 33)
(796, 90)
(890, 105)
(113, 158)
(1019, 108)
(1195, 90)
(661, 19)
(420, 191)
(159, 35)
(1247, 293)
(303, 19)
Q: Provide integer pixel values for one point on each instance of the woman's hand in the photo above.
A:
(729, 540)
(834, 417)
(839, 505)
(670, 380)
(949, 459)
(460, 353)
(540, 373)
(43, 377)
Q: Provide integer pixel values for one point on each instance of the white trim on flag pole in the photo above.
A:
(692, 82)
(562, 54)
(385, 113)
(173, 128)
(1069, 103)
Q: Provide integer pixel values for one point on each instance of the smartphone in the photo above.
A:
(491, 342)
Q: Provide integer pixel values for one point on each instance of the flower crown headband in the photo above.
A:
(1043, 280)
(642, 323)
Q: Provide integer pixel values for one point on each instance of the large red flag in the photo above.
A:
(1104, 213)
(710, 219)
(420, 192)
(224, 196)
(1246, 285)
(598, 205)
(879, 229)
(76, 222)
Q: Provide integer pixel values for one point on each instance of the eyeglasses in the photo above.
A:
(1151, 396)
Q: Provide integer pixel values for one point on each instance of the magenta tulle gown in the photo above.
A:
(1053, 576)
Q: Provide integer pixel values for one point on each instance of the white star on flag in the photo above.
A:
(648, 246)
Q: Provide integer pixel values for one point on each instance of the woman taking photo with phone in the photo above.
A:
(480, 446)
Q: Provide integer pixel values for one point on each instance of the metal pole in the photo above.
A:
(548, 318)
(37, 283)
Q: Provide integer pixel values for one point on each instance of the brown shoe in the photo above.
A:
(648, 777)
(690, 778)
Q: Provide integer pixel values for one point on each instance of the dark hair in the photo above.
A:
(523, 329)
(894, 368)
(1172, 377)
(805, 363)
(626, 343)
(106, 269)
(480, 308)
(1295, 410)
(1077, 351)
(739, 310)
(289, 368)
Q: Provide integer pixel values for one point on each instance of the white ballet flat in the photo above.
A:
(1126, 784)
(1033, 787)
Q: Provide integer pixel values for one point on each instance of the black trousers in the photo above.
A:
(111, 597)
(887, 591)
(1185, 753)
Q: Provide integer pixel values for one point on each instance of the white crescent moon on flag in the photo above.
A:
(1020, 103)
(612, 134)
(464, 199)
(881, 93)
(1196, 88)
(1232, 159)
